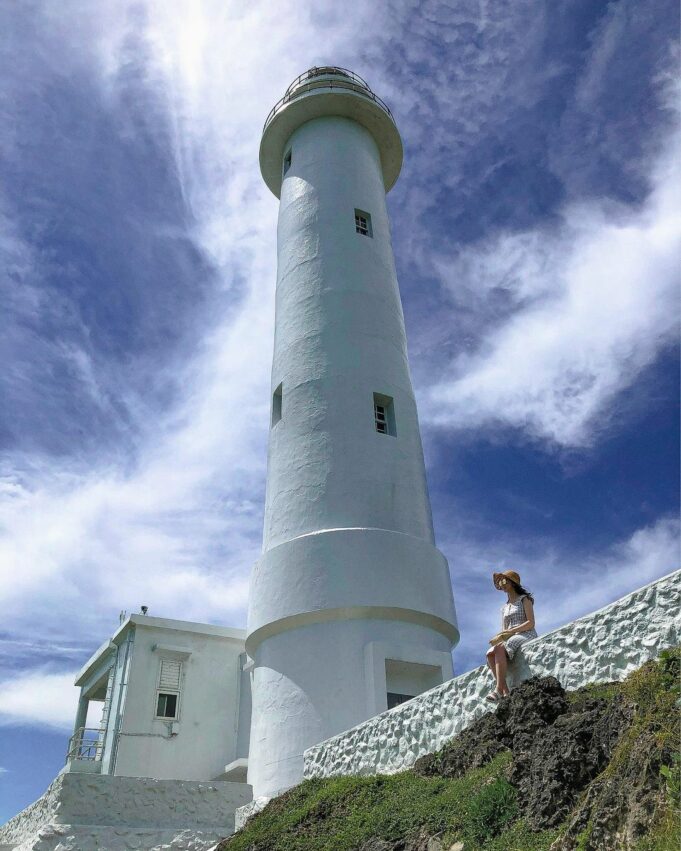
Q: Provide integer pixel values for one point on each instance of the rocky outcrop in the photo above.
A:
(618, 807)
(558, 747)
(546, 769)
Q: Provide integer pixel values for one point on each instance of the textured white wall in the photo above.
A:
(313, 681)
(348, 554)
(206, 737)
(82, 812)
(339, 338)
(606, 645)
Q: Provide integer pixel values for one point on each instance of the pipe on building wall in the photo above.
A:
(122, 692)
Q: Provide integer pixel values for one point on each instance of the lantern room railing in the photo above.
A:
(326, 77)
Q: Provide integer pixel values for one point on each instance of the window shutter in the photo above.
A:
(170, 675)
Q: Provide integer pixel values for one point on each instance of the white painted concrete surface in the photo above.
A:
(349, 558)
(82, 813)
(204, 737)
(603, 646)
(213, 721)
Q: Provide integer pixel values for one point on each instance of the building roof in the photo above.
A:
(146, 622)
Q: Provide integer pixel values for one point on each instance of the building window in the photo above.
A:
(166, 705)
(363, 223)
(395, 699)
(276, 405)
(287, 161)
(168, 692)
(384, 414)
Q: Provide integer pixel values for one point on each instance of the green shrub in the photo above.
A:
(672, 777)
(491, 810)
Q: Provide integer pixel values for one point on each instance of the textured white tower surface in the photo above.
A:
(350, 599)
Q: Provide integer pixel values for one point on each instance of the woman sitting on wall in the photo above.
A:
(517, 627)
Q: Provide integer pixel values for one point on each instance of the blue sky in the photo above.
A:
(536, 228)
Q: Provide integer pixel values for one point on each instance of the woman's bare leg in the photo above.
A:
(501, 661)
(491, 663)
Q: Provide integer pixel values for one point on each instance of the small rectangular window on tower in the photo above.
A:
(363, 223)
(384, 414)
(276, 405)
(287, 161)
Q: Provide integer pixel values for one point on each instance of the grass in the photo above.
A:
(341, 813)
(480, 809)
(604, 691)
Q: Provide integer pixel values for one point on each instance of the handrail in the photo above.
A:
(86, 743)
(319, 78)
(324, 70)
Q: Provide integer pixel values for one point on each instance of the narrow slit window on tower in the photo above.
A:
(363, 223)
(287, 160)
(384, 414)
(276, 405)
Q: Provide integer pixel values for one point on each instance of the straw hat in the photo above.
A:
(508, 574)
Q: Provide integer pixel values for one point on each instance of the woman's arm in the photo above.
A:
(529, 618)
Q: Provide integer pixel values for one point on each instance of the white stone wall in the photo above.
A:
(80, 812)
(606, 645)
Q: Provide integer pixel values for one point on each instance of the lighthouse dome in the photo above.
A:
(322, 91)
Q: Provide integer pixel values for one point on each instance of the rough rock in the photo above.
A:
(558, 749)
(553, 768)
(619, 806)
(473, 748)
(422, 842)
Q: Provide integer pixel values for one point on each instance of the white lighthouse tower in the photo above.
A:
(351, 608)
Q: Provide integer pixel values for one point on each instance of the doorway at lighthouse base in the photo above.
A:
(89, 812)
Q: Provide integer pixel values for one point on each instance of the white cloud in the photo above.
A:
(595, 301)
(175, 523)
(39, 698)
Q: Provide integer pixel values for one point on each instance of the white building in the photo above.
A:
(351, 609)
(175, 703)
(351, 605)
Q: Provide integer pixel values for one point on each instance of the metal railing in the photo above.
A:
(326, 77)
(86, 743)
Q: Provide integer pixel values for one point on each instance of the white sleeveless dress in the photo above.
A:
(512, 615)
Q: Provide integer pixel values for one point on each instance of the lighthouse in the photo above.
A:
(351, 609)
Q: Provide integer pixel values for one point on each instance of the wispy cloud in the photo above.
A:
(165, 507)
(141, 254)
(594, 300)
(39, 698)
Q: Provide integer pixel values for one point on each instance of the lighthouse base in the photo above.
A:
(315, 681)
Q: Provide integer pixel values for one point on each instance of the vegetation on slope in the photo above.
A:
(591, 770)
